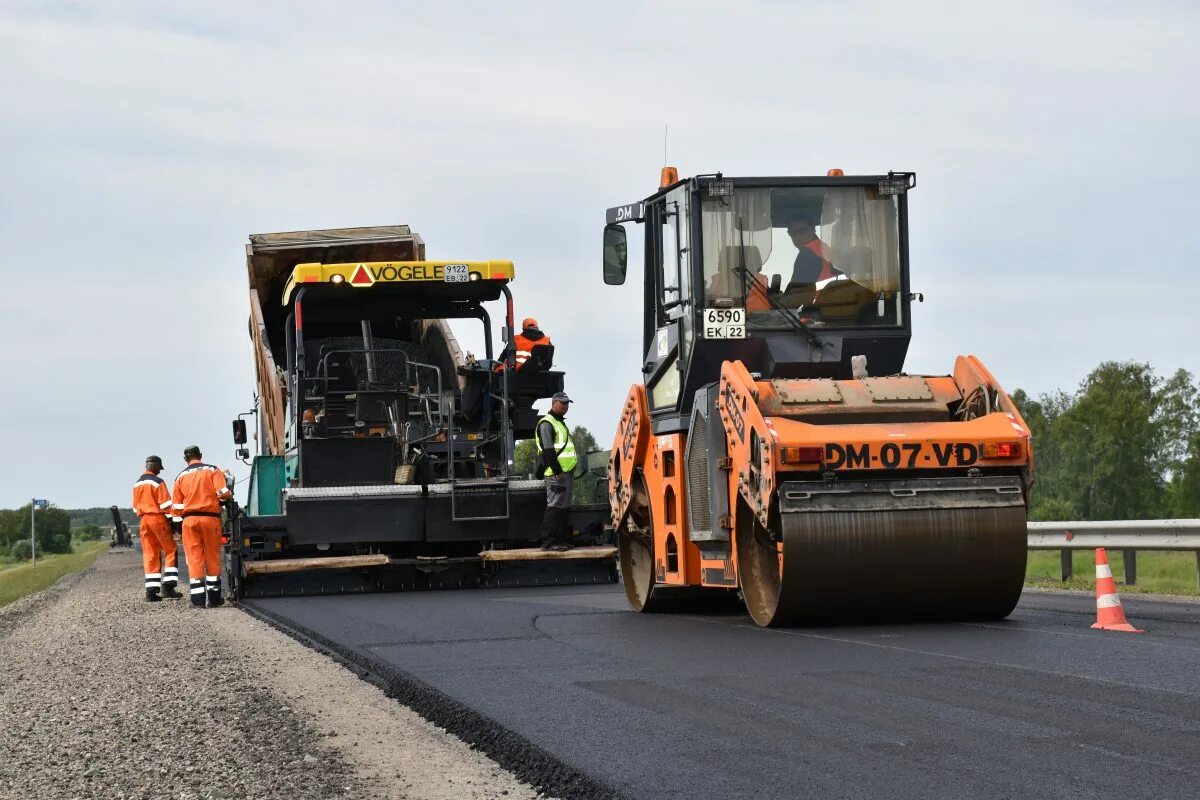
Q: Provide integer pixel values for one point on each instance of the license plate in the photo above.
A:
(724, 323)
(900, 455)
(456, 273)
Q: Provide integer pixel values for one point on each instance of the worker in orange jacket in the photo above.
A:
(199, 491)
(523, 343)
(152, 502)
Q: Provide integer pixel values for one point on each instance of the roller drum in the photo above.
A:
(887, 551)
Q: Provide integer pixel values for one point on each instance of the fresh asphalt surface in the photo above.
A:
(698, 706)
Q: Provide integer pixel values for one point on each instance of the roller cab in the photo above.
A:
(776, 450)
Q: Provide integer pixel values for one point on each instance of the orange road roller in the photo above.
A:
(776, 451)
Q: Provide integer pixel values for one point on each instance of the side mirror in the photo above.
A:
(239, 431)
(616, 255)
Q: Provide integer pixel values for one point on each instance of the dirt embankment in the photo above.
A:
(105, 696)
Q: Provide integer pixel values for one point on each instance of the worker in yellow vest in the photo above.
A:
(558, 460)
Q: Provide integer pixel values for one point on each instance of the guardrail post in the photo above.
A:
(1064, 559)
(1198, 568)
(1131, 567)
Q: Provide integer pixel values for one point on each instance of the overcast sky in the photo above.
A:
(1054, 224)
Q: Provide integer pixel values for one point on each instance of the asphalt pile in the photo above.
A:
(103, 695)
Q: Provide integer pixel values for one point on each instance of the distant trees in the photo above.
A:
(1125, 445)
(53, 532)
(56, 527)
(525, 458)
(89, 533)
(99, 516)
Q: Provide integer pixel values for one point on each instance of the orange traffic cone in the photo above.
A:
(1109, 614)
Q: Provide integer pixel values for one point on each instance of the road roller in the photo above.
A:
(775, 451)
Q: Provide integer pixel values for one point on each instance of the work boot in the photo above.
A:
(197, 594)
(152, 596)
(214, 598)
(170, 591)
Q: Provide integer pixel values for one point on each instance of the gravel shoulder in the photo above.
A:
(103, 695)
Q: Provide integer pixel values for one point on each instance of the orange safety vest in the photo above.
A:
(150, 495)
(826, 268)
(523, 346)
(199, 490)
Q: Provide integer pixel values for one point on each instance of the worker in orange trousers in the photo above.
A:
(152, 502)
(199, 491)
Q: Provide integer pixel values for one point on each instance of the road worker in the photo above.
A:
(559, 460)
(524, 342)
(152, 502)
(199, 491)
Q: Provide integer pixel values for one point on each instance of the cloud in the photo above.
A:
(1052, 225)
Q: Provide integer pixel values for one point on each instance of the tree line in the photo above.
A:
(1124, 445)
(53, 532)
(56, 529)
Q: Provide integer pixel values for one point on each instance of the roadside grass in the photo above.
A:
(16, 581)
(1157, 572)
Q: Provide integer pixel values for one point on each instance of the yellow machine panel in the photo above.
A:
(364, 275)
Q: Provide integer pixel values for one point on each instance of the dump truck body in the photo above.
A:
(385, 453)
(776, 448)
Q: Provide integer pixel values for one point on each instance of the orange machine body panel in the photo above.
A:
(759, 440)
(677, 560)
(642, 462)
(628, 452)
(797, 429)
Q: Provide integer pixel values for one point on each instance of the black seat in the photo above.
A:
(541, 358)
(532, 378)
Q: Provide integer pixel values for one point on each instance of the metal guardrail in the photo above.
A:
(1129, 536)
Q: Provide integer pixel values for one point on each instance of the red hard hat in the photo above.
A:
(528, 322)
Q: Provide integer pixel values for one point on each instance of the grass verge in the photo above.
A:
(18, 581)
(1157, 572)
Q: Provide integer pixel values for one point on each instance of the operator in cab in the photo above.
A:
(559, 459)
(810, 265)
(199, 492)
(523, 343)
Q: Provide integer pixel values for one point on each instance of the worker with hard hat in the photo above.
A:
(199, 491)
(523, 343)
(152, 503)
(559, 459)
